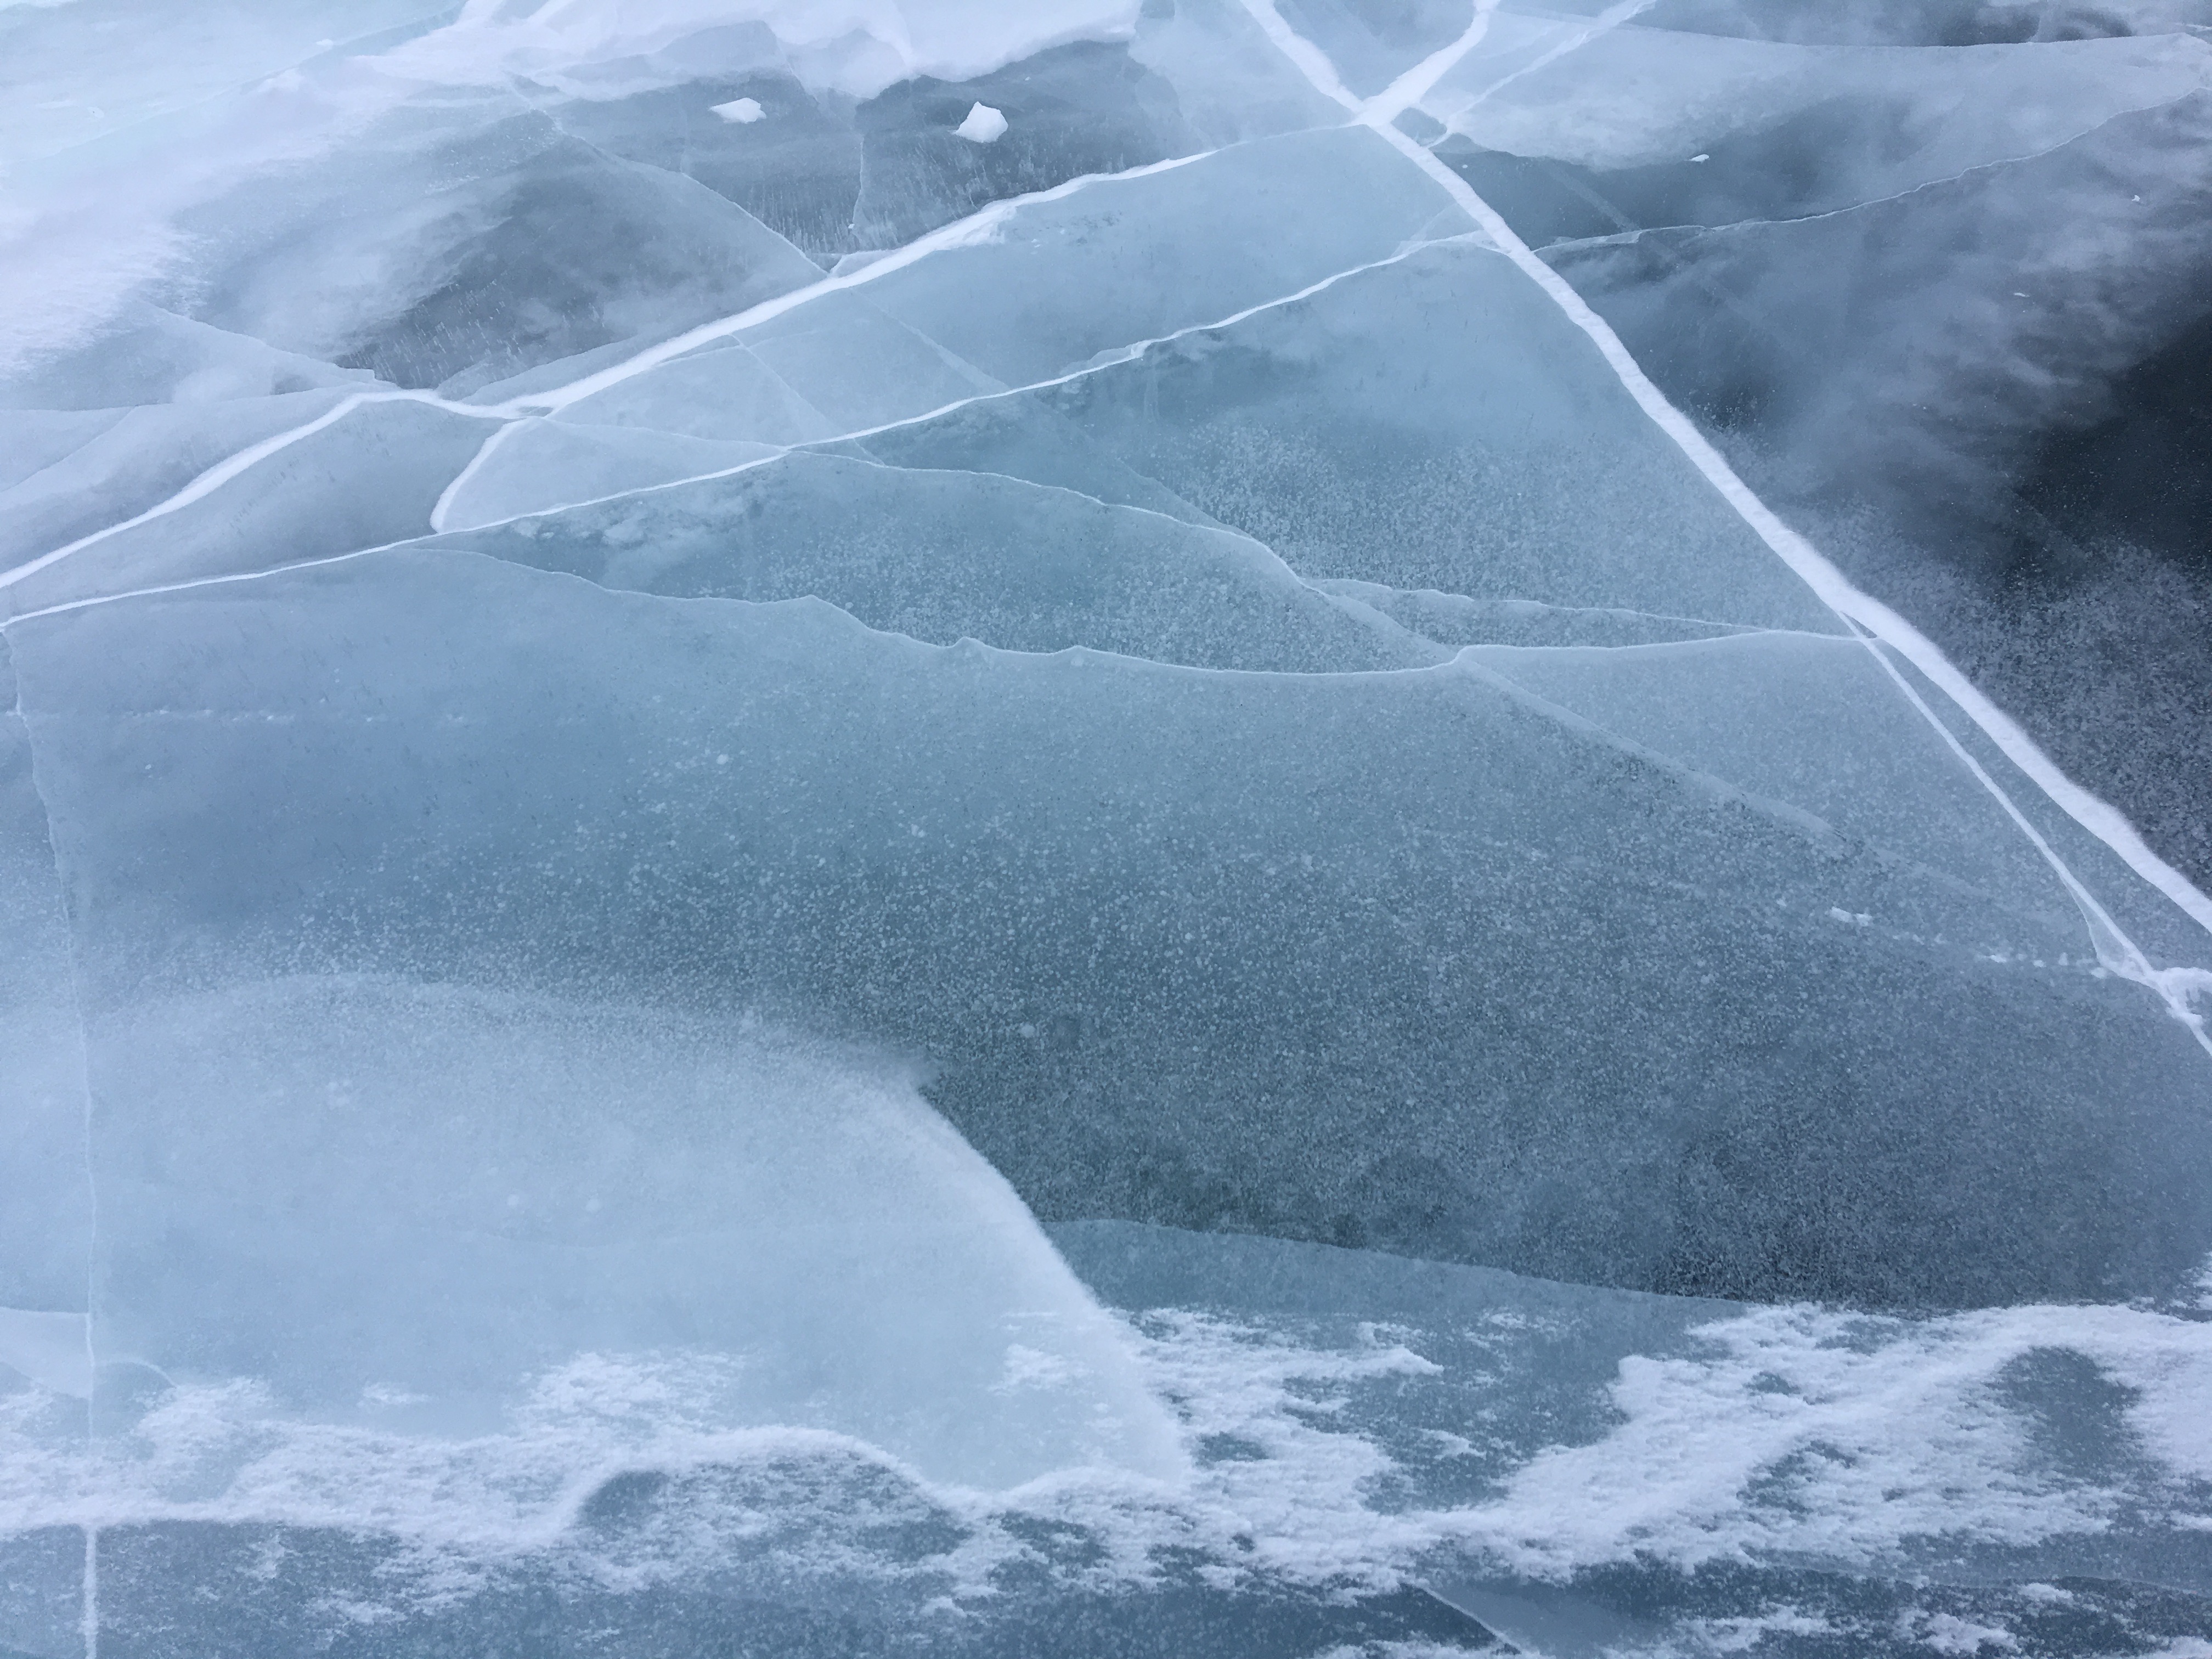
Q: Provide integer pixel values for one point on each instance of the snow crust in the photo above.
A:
(1354, 1422)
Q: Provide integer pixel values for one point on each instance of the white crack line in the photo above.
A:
(1875, 620)
(1604, 23)
(975, 227)
(231, 467)
(1104, 360)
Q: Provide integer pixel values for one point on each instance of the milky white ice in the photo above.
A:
(982, 124)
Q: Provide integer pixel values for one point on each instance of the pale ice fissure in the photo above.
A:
(1221, 828)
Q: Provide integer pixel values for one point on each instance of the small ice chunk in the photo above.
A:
(984, 125)
(742, 110)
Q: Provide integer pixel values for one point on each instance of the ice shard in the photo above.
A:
(1214, 828)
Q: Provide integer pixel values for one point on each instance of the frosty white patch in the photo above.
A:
(984, 125)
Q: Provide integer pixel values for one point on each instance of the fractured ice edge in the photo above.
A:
(832, 832)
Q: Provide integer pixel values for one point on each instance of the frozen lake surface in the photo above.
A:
(1218, 829)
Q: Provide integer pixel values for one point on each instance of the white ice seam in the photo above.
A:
(2098, 818)
(2115, 949)
(444, 505)
(1417, 82)
(1113, 358)
(1311, 60)
(1611, 18)
(961, 233)
(224, 470)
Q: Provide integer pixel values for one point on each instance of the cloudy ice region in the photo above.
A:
(1209, 828)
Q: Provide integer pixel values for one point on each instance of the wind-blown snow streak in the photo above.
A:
(1876, 619)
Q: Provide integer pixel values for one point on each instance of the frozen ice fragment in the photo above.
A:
(983, 125)
(742, 111)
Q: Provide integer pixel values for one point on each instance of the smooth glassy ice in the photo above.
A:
(833, 829)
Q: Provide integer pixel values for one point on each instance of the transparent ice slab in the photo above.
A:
(1145, 917)
(1857, 124)
(461, 241)
(848, 689)
(599, 1204)
(45, 1224)
(1083, 109)
(944, 555)
(1434, 423)
(1021, 437)
(1760, 709)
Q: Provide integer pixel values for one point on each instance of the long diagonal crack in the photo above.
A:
(962, 232)
(1873, 620)
(239, 463)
